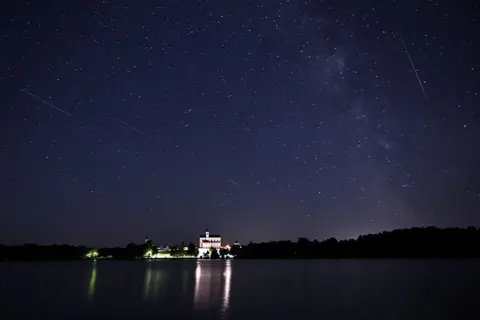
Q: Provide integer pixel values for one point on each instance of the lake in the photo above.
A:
(241, 289)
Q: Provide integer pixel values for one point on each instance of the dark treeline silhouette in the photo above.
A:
(40, 252)
(427, 242)
(68, 252)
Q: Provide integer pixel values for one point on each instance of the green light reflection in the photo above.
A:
(93, 280)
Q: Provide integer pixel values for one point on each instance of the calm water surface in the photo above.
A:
(259, 289)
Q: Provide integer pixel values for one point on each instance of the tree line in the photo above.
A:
(429, 242)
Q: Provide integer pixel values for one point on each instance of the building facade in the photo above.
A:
(208, 241)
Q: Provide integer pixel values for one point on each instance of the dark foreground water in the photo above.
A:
(258, 289)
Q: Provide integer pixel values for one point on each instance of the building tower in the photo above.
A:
(207, 234)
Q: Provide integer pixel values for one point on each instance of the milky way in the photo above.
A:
(259, 120)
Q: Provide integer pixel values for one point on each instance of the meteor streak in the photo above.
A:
(233, 182)
(413, 67)
(51, 105)
(130, 127)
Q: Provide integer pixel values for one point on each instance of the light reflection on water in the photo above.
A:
(212, 285)
(185, 281)
(92, 282)
(153, 282)
(280, 290)
(203, 279)
(226, 288)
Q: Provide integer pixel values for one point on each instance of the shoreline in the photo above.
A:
(230, 259)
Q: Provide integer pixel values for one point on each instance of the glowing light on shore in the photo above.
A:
(92, 254)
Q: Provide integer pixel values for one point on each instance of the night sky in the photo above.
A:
(260, 120)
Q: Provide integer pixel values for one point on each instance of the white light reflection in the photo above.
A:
(148, 281)
(202, 285)
(226, 287)
(153, 281)
(213, 285)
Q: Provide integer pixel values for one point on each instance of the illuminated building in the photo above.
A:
(163, 248)
(208, 241)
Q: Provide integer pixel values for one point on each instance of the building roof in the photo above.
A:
(210, 236)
